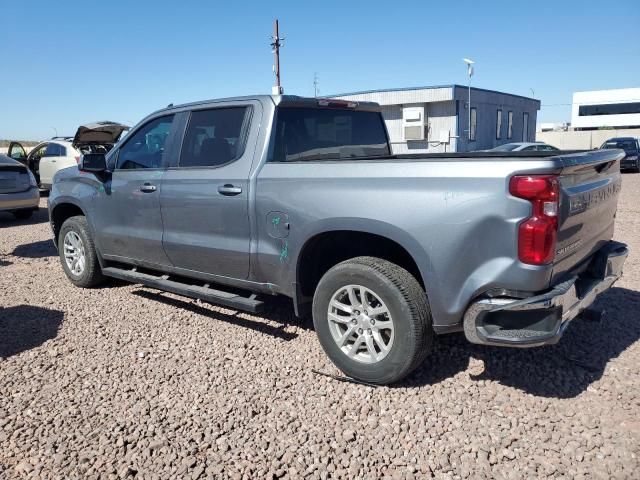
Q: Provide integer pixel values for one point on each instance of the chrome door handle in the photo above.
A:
(229, 190)
(147, 188)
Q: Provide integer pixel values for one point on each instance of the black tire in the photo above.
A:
(407, 304)
(92, 275)
(23, 214)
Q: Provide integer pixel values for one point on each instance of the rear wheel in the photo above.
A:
(78, 253)
(372, 319)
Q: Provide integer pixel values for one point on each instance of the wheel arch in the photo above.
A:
(363, 237)
(60, 213)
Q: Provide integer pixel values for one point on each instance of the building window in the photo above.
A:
(510, 125)
(474, 124)
(525, 127)
(499, 124)
(609, 109)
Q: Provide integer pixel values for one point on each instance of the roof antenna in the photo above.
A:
(170, 105)
(275, 46)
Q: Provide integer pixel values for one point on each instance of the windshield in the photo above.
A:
(623, 144)
(306, 134)
(507, 147)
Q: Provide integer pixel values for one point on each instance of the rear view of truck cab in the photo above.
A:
(569, 235)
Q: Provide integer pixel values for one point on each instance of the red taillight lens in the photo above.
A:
(78, 160)
(537, 235)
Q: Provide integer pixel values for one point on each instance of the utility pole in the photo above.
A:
(316, 83)
(275, 46)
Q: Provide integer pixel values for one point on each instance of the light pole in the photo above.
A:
(470, 74)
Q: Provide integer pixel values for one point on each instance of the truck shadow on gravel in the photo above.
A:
(275, 313)
(8, 220)
(24, 327)
(560, 371)
(41, 249)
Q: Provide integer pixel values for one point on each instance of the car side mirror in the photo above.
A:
(93, 163)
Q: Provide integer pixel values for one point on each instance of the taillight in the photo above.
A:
(78, 160)
(537, 235)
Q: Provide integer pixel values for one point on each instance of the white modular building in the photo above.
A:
(616, 108)
(437, 118)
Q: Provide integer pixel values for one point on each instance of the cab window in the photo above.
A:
(145, 148)
(214, 137)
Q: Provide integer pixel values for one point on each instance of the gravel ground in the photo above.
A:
(127, 382)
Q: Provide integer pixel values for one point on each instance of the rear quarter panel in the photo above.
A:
(454, 216)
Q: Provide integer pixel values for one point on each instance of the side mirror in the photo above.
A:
(93, 163)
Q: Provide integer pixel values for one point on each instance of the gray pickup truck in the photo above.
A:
(232, 200)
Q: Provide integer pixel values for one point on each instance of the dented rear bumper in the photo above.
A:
(542, 319)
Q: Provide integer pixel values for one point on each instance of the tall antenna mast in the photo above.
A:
(275, 46)
(316, 83)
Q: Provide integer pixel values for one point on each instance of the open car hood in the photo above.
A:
(98, 133)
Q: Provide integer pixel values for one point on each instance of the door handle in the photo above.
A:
(229, 190)
(147, 188)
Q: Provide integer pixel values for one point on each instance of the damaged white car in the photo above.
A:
(46, 158)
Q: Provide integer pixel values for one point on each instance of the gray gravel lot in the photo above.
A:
(126, 382)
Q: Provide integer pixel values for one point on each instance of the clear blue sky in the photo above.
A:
(70, 62)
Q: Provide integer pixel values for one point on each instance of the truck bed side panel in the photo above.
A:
(455, 218)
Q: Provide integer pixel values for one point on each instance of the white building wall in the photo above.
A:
(583, 140)
(440, 117)
(400, 97)
(600, 97)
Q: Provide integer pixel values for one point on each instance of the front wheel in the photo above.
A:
(78, 253)
(372, 319)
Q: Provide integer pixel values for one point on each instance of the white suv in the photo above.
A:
(46, 158)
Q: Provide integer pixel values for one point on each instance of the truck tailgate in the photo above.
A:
(590, 183)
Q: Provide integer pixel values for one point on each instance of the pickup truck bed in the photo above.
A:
(384, 250)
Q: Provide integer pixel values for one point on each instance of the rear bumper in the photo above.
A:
(542, 319)
(29, 199)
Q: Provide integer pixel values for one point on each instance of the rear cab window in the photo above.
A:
(317, 134)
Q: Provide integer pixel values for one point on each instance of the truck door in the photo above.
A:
(205, 194)
(127, 217)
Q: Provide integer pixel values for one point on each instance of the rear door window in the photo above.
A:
(145, 148)
(313, 134)
(214, 137)
(53, 150)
